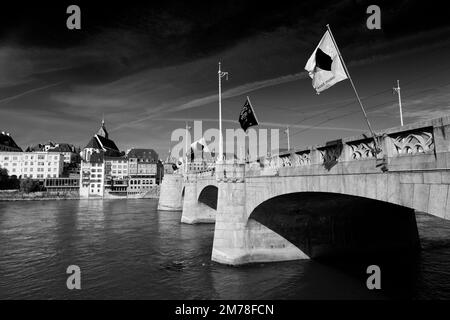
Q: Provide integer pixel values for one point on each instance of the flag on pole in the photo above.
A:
(247, 117)
(200, 144)
(324, 66)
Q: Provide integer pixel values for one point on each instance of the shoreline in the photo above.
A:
(32, 197)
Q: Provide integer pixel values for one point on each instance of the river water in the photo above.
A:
(126, 249)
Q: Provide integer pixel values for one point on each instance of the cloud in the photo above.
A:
(22, 94)
(268, 124)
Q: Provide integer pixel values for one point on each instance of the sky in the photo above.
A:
(147, 67)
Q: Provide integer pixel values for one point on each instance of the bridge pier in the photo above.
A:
(193, 210)
(170, 197)
(238, 240)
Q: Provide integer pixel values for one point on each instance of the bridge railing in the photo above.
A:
(429, 138)
(424, 145)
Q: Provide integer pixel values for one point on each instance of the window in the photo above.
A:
(40, 163)
(40, 157)
(6, 158)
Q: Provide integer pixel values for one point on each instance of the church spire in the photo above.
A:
(102, 131)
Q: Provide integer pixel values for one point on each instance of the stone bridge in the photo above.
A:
(333, 199)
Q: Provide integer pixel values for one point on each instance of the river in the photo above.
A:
(127, 249)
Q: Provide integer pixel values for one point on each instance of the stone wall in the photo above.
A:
(171, 193)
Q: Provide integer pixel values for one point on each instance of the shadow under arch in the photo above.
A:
(326, 225)
(208, 196)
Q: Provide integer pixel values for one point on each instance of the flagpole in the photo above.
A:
(288, 141)
(399, 101)
(186, 144)
(257, 121)
(220, 74)
(354, 88)
(254, 113)
(220, 117)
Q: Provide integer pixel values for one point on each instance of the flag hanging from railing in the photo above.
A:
(325, 66)
(247, 117)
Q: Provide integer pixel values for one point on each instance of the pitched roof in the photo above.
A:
(146, 154)
(62, 147)
(94, 144)
(7, 140)
(102, 131)
(106, 143)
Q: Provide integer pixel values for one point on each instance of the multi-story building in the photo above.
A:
(92, 176)
(67, 150)
(116, 175)
(98, 158)
(33, 165)
(144, 169)
(7, 143)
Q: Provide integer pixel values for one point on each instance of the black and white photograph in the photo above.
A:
(225, 155)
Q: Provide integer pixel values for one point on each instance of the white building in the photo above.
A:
(92, 176)
(99, 157)
(33, 165)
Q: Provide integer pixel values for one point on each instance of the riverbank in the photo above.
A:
(16, 195)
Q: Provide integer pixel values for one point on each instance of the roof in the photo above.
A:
(62, 147)
(101, 143)
(102, 131)
(106, 143)
(146, 154)
(7, 140)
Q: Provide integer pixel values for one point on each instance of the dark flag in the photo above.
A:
(247, 117)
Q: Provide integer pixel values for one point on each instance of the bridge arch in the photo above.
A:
(208, 196)
(327, 224)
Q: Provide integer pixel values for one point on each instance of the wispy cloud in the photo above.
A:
(267, 124)
(27, 92)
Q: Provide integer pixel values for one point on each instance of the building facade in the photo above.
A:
(144, 169)
(33, 165)
(92, 177)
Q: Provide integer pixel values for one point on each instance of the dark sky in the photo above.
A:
(148, 66)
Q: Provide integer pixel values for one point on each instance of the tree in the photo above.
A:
(28, 185)
(3, 178)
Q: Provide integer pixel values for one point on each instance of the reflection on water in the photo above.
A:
(128, 249)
